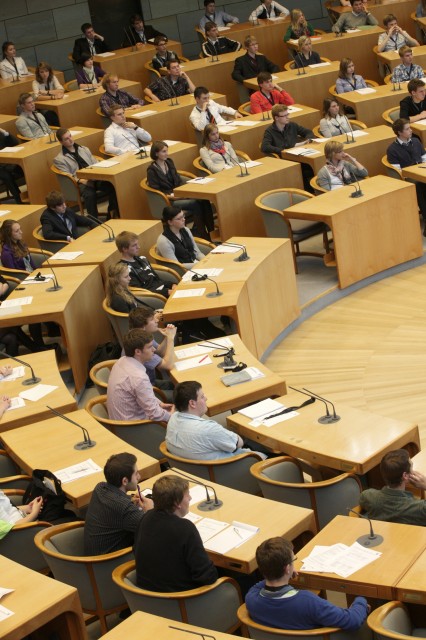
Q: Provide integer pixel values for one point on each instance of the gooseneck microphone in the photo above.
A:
(228, 356)
(244, 256)
(368, 540)
(33, 379)
(56, 286)
(358, 191)
(87, 442)
(208, 504)
(302, 64)
(195, 633)
(330, 419)
(327, 419)
(237, 164)
(109, 230)
(197, 277)
(351, 130)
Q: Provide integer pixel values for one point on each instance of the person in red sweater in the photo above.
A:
(268, 94)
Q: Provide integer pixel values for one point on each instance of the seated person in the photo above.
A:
(74, 156)
(405, 151)
(12, 337)
(10, 173)
(169, 553)
(17, 516)
(91, 42)
(360, 16)
(407, 70)
(112, 517)
(394, 37)
(217, 154)
(274, 603)
(176, 83)
(191, 436)
(214, 45)
(269, 94)
(89, 74)
(11, 66)
(177, 242)
(305, 56)
(46, 85)
(220, 18)
(118, 295)
(208, 111)
(413, 107)
(14, 252)
(333, 123)
(122, 136)
(252, 63)
(421, 9)
(163, 54)
(130, 395)
(268, 9)
(5, 401)
(298, 26)
(30, 123)
(138, 33)
(348, 80)
(59, 222)
(340, 169)
(393, 503)
(113, 95)
(283, 134)
(163, 176)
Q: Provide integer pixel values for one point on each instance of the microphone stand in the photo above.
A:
(208, 504)
(56, 286)
(334, 417)
(303, 72)
(244, 256)
(324, 419)
(358, 192)
(111, 237)
(87, 442)
(33, 379)
(368, 540)
(351, 130)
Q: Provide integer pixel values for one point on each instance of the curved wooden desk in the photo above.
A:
(392, 59)
(402, 9)
(369, 107)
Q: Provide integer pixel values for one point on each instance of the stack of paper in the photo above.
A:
(193, 363)
(233, 536)
(76, 471)
(203, 348)
(211, 273)
(340, 559)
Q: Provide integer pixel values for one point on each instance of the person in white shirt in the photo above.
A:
(269, 9)
(207, 111)
(122, 136)
(12, 67)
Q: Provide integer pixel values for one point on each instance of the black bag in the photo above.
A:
(53, 503)
(107, 351)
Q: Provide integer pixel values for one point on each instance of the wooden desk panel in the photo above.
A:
(272, 518)
(127, 175)
(10, 91)
(420, 131)
(356, 443)
(402, 9)
(369, 107)
(412, 586)
(8, 123)
(416, 172)
(41, 605)
(371, 233)
(269, 35)
(392, 59)
(217, 75)
(45, 367)
(50, 445)
(28, 216)
(357, 46)
(401, 547)
(234, 197)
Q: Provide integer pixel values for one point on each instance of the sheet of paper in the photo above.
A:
(301, 151)
(11, 149)
(4, 212)
(33, 280)
(422, 121)
(76, 471)
(352, 31)
(14, 302)
(198, 493)
(4, 591)
(211, 273)
(207, 528)
(202, 180)
(17, 372)
(366, 90)
(142, 114)
(75, 132)
(229, 539)
(171, 142)
(354, 559)
(254, 373)
(107, 163)
(225, 128)
(320, 139)
(292, 109)
(16, 403)
(261, 409)
(223, 248)
(193, 517)
(223, 28)
(107, 54)
(67, 255)
(244, 122)
(322, 561)
(319, 64)
(250, 163)
(37, 392)
(10, 311)
(360, 132)
(187, 293)
(202, 349)
(193, 363)
(5, 613)
(276, 420)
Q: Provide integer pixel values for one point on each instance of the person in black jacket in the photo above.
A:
(9, 172)
(252, 63)
(59, 222)
(92, 43)
(215, 45)
(139, 33)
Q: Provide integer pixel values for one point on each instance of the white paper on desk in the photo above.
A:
(192, 516)
(270, 422)
(4, 592)
(188, 293)
(245, 122)
(230, 538)
(32, 280)
(211, 273)
(16, 403)
(359, 132)
(10, 311)
(301, 151)
(193, 363)
(261, 409)
(11, 149)
(75, 132)
(355, 558)
(170, 143)
(67, 255)
(200, 349)
(319, 64)
(223, 248)
(4, 212)
(15, 302)
(37, 392)
(198, 493)
(422, 121)
(352, 30)
(76, 471)
(274, 77)
(17, 372)
(5, 613)
(142, 114)
(292, 109)
(320, 139)
(200, 180)
(207, 528)
(366, 90)
(224, 128)
(223, 28)
(322, 561)
(104, 164)
(250, 163)
(294, 41)
(107, 54)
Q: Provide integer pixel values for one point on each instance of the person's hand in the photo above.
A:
(183, 75)
(166, 406)
(146, 503)
(238, 115)
(418, 479)
(205, 106)
(140, 44)
(98, 37)
(130, 125)
(4, 132)
(155, 98)
(5, 403)
(35, 506)
(6, 371)
(134, 106)
(169, 331)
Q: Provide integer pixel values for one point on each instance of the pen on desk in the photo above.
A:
(238, 533)
(202, 359)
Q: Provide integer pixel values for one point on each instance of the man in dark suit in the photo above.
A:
(252, 63)
(59, 222)
(140, 32)
(92, 43)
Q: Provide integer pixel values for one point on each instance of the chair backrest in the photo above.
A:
(38, 257)
(105, 153)
(356, 125)
(292, 65)
(273, 203)
(391, 171)
(245, 108)
(201, 167)
(166, 262)
(71, 85)
(316, 187)
(213, 606)
(18, 545)
(157, 200)
(69, 187)
(392, 620)
(15, 482)
(154, 74)
(48, 245)
(390, 115)
(119, 321)
(243, 93)
(99, 374)
(105, 120)
(153, 300)
(7, 465)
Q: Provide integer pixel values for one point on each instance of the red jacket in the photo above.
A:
(259, 102)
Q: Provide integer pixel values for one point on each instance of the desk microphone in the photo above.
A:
(130, 37)
(368, 540)
(244, 256)
(358, 192)
(197, 277)
(324, 419)
(237, 164)
(109, 230)
(351, 130)
(303, 64)
(56, 285)
(228, 357)
(195, 633)
(330, 419)
(33, 380)
(208, 504)
(87, 442)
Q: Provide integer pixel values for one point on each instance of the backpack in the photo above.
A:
(53, 503)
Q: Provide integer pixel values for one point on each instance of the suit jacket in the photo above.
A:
(65, 162)
(81, 46)
(149, 32)
(29, 127)
(54, 229)
(222, 45)
(245, 67)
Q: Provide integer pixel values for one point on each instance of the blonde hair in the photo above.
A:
(113, 284)
(294, 17)
(332, 147)
(107, 79)
(208, 129)
(302, 41)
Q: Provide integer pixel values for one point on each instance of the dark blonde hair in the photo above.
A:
(113, 284)
(326, 106)
(19, 248)
(43, 66)
(331, 147)
(107, 79)
(343, 68)
(208, 129)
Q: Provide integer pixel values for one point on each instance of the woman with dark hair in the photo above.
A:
(340, 169)
(217, 154)
(89, 74)
(11, 66)
(14, 252)
(177, 242)
(333, 122)
(163, 176)
(46, 85)
(348, 80)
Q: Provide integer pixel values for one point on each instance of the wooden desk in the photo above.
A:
(77, 308)
(248, 289)
(170, 122)
(356, 443)
(45, 367)
(104, 254)
(10, 91)
(272, 518)
(269, 35)
(234, 197)
(247, 138)
(308, 88)
(37, 156)
(367, 149)
(81, 106)
(415, 172)
(41, 605)
(371, 233)
(412, 586)
(420, 131)
(49, 444)
(392, 59)
(369, 107)
(130, 64)
(128, 173)
(8, 123)
(357, 46)
(402, 9)
(28, 216)
(221, 398)
(401, 547)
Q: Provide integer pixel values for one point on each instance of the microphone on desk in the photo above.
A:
(142, 152)
(195, 633)
(237, 164)
(56, 286)
(303, 65)
(368, 540)
(208, 504)
(33, 380)
(244, 256)
(330, 419)
(109, 229)
(351, 130)
(87, 442)
(228, 357)
(358, 192)
(130, 37)
(197, 277)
